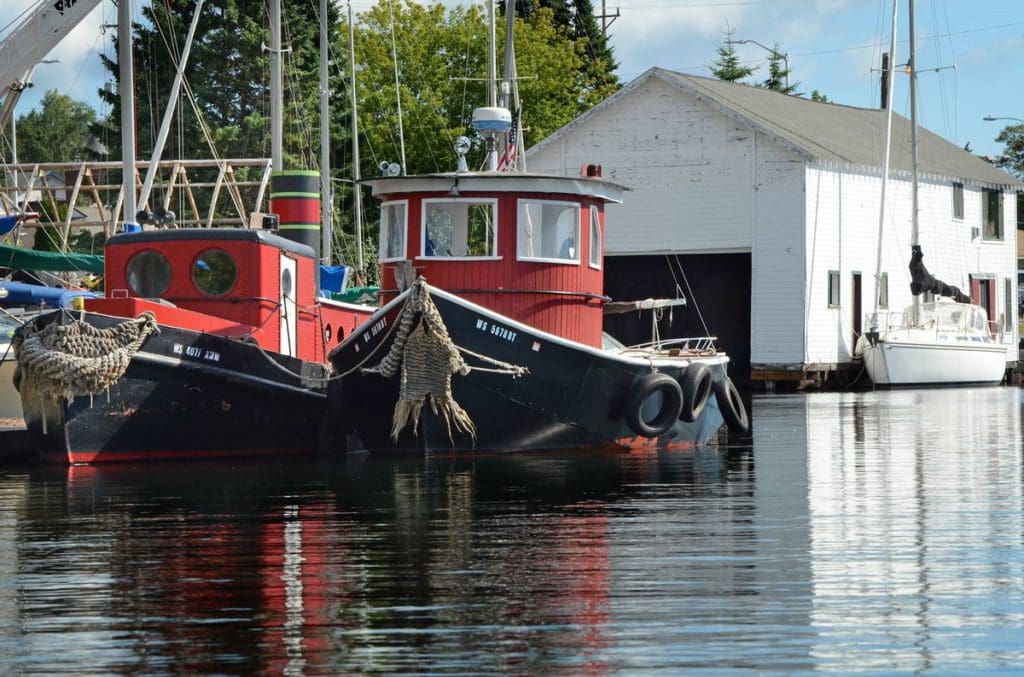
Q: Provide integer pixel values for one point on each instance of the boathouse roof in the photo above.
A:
(820, 132)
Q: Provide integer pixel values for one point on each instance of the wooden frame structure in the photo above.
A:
(198, 185)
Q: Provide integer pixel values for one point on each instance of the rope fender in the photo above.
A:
(425, 357)
(65, 360)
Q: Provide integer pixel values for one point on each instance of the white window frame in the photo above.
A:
(540, 259)
(595, 226)
(493, 202)
(405, 235)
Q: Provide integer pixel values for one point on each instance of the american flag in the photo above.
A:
(507, 161)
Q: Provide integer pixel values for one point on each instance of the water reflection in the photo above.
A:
(916, 524)
(878, 531)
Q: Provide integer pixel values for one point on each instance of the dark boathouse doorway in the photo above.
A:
(720, 286)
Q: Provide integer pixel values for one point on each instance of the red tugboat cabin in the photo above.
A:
(524, 245)
(246, 284)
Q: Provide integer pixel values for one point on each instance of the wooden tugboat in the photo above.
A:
(492, 339)
(209, 343)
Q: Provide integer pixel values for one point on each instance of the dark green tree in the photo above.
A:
(1013, 158)
(727, 66)
(56, 131)
(818, 96)
(229, 73)
(576, 19)
(778, 72)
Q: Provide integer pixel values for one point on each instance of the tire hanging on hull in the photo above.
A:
(671, 406)
(730, 403)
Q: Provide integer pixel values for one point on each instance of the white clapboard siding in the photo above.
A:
(690, 171)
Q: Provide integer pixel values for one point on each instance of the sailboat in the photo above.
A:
(946, 340)
(491, 338)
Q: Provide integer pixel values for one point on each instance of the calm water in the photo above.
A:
(878, 532)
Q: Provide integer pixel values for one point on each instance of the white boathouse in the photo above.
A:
(774, 202)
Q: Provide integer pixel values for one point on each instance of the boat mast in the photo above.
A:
(326, 203)
(357, 198)
(885, 164)
(492, 78)
(276, 90)
(126, 75)
(912, 68)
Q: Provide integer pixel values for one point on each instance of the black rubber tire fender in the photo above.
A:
(671, 405)
(696, 384)
(731, 405)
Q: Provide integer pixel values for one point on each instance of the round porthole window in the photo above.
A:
(286, 283)
(214, 272)
(149, 274)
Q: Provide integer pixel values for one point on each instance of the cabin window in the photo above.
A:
(833, 289)
(548, 231)
(149, 274)
(595, 238)
(392, 230)
(958, 201)
(460, 228)
(992, 214)
(883, 291)
(214, 272)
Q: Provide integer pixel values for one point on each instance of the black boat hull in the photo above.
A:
(572, 397)
(185, 394)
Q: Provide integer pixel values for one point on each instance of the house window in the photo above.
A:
(883, 291)
(991, 214)
(460, 228)
(1020, 211)
(548, 231)
(958, 201)
(595, 238)
(1010, 310)
(833, 289)
(392, 230)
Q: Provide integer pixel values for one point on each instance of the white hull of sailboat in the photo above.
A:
(909, 363)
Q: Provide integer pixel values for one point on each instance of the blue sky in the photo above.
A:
(833, 45)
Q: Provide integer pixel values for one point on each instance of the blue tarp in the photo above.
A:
(7, 224)
(21, 294)
(332, 278)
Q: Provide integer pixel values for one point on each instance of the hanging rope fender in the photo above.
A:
(425, 356)
(64, 360)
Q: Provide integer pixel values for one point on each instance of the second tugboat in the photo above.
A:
(491, 339)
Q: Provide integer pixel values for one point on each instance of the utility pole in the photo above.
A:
(605, 16)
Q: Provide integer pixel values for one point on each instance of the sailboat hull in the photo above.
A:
(894, 363)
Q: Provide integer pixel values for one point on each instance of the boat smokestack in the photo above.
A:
(295, 199)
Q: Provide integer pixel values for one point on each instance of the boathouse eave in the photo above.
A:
(491, 182)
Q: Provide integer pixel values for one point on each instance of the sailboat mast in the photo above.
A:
(276, 89)
(326, 211)
(885, 163)
(357, 199)
(912, 66)
(126, 74)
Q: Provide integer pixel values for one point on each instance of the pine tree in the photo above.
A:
(778, 73)
(727, 66)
